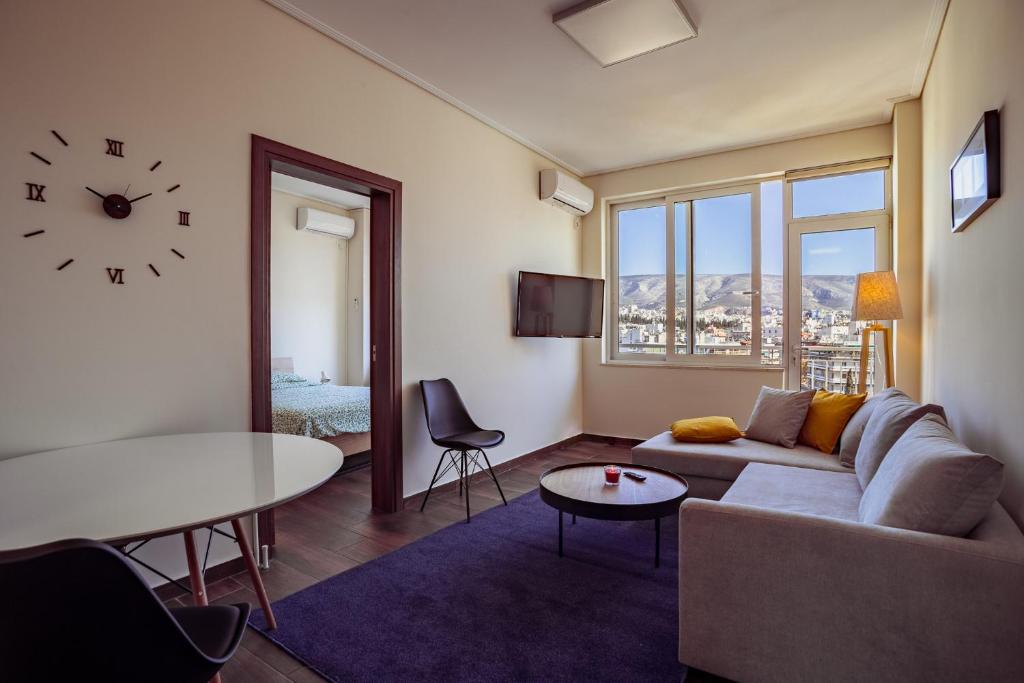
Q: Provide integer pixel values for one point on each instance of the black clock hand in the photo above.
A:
(148, 194)
(98, 194)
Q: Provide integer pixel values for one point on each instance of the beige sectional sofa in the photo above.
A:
(779, 581)
(711, 468)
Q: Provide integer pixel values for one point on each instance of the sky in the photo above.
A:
(722, 230)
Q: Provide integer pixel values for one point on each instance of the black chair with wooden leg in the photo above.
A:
(77, 610)
(452, 429)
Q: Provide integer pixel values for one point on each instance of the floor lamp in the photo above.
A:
(876, 297)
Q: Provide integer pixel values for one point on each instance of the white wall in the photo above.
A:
(308, 292)
(906, 252)
(187, 83)
(358, 309)
(972, 362)
(640, 402)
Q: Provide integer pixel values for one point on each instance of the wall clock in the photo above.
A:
(111, 202)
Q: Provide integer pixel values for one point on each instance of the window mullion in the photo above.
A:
(691, 343)
(670, 289)
(756, 296)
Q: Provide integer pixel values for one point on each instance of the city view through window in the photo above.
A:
(719, 232)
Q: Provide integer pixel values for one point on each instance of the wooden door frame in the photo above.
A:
(385, 303)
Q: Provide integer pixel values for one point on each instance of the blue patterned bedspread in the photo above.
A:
(319, 410)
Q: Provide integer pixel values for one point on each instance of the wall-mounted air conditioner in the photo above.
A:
(324, 223)
(565, 192)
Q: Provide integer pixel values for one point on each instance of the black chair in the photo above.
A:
(77, 610)
(452, 429)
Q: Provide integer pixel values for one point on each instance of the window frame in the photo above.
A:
(793, 228)
(670, 358)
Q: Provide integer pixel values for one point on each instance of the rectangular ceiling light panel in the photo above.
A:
(612, 31)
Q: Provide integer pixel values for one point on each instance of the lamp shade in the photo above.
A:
(877, 297)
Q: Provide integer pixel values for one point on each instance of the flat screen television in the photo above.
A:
(559, 306)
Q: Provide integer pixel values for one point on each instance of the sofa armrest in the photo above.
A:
(770, 595)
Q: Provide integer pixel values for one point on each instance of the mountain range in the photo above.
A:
(722, 292)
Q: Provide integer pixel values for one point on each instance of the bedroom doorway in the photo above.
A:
(325, 310)
(320, 315)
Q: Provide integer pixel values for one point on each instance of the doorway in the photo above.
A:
(385, 203)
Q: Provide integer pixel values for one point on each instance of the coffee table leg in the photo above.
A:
(657, 542)
(560, 533)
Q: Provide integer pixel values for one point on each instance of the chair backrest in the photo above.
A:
(445, 411)
(77, 610)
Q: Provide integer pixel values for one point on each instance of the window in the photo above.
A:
(840, 227)
(641, 291)
(847, 193)
(688, 269)
(758, 274)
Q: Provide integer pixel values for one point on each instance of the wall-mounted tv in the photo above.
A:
(559, 306)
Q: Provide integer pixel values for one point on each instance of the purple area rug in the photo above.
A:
(492, 601)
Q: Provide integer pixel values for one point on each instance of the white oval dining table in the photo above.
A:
(130, 490)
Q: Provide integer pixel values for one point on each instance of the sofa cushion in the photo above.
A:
(892, 416)
(796, 489)
(854, 430)
(931, 482)
(827, 417)
(706, 430)
(778, 415)
(725, 460)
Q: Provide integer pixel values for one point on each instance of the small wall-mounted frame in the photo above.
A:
(975, 180)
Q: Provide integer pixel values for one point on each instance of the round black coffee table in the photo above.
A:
(580, 490)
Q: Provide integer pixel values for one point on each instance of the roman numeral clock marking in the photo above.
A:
(116, 276)
(115, 148)
(35, 192)
(183, 218)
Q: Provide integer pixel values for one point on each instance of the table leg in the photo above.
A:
(195, 571)
(195, 575)
(254, 572)
(657, 542)
(560, 533)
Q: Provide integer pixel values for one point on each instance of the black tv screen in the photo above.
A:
(559, 306)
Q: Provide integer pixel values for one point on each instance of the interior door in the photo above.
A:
(825, 256)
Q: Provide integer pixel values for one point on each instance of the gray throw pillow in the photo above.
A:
(931, 482)
(778, 416)
(892, 416)
(849, 440)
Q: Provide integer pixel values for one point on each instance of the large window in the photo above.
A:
(688, 269)
(699, 276)
(840, 227)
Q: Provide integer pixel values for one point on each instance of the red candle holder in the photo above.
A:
(612, 474)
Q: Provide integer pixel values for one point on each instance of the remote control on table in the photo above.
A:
(635, 475)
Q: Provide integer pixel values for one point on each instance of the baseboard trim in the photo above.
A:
(613, 440)
(526, 457)
(217, 572)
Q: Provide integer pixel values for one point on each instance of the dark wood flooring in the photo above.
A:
(333, 529)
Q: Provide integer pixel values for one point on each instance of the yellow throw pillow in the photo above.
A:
(706, 430)
(827, 417)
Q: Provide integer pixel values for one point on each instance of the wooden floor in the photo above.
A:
(332, 529)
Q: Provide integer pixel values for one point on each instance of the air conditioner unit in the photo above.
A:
(565, 192)
(324, 223)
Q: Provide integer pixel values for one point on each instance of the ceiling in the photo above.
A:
(318, 192)
(758, 71)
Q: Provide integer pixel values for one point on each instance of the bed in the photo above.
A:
(337, 414)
